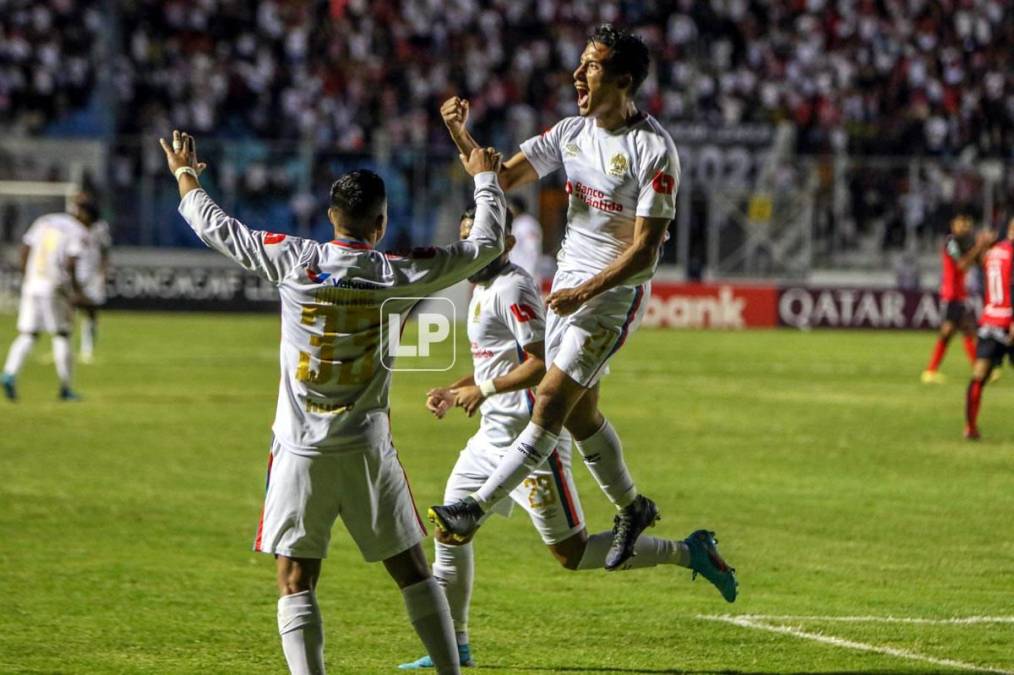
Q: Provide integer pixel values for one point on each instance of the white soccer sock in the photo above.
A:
(89, 328)
(431, 618)
(19, 351)
(454, 570)
(529, 450)
(63, 357)
(648, 552)
(302, 632)
(603, 455)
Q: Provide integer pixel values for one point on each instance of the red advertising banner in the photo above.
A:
(678, 305)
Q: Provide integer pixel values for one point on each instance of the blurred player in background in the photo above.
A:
(960, 252)
(332, 453)
(506, 329)
(50, 287)
(93, 271)
(995, 326)
(622, 172)
(527, 251)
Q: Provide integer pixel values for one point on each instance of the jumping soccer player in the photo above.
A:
(622, 172)
(995, 327)
(332, 453)
(506, 329)
(960, 252)
(50, 288)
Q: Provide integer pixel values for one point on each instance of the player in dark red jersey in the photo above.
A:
(995, 326)
(958, 254)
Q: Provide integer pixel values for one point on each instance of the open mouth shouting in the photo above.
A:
(582, 96)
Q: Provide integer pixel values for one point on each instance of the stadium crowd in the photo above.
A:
(883, 76)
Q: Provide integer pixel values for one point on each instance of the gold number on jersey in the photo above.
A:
(540, 492)
(50, 242)
(364, 334)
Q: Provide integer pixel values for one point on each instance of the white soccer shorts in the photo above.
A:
(45, 313)
(305, 495)
(548, 494)
(581, 344)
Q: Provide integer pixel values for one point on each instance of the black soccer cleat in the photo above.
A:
(628, 525)
(460, 520)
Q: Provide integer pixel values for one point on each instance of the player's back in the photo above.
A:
(336, 298)
(97, 241)
(334, 304)
(996, 266)
(612, 178)
(53, 240)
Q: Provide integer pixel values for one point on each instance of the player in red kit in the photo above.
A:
(995, 326)
(957, 255)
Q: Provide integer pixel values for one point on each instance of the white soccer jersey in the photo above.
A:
(98, 241)
(504, 316)
(53, 239)
(612, 177)
(333, 393)
(527, 250)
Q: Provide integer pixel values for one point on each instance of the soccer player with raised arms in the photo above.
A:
(332, 454)
(506, 328)
(622, 173)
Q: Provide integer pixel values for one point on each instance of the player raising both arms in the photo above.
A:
(959, 253)
(995, 327)
(506, 327)
(622, 172)
(332, 453)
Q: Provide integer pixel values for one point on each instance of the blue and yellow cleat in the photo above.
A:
(704, 560)
(10, 391)
(464, 656)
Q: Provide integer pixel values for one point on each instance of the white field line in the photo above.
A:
(867, 619)
(755, 623)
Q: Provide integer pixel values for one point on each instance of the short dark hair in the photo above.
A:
(628, 53)
(469, 214)
(358, 194)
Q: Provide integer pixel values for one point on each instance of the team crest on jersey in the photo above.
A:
(477, 312)
(571, 149)
(618, 165)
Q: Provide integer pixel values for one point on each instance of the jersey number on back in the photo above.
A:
(994, 283)
(366, 338)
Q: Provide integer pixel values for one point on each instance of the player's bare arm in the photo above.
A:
(515, 172)
(649, 233)
(525, 375)
(182, 159)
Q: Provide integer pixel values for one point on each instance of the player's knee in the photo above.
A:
(550, 405)
(296, 575)
(570, 551)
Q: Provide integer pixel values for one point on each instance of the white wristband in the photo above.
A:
(184, 169)
(487, 388)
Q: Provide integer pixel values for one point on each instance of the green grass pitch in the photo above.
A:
(839, 487)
